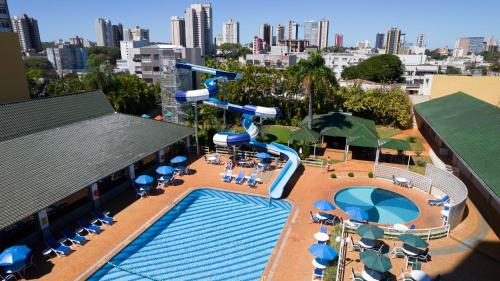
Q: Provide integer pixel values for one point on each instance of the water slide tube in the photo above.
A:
(207, 96)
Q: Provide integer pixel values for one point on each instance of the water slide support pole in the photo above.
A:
(196, 128)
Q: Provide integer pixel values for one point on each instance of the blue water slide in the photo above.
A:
(207, 96)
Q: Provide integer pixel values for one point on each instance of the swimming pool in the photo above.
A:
(209, 235)
(383, 206)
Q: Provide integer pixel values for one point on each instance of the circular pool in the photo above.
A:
(383, 206)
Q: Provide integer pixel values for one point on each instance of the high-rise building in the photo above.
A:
(104, 32)
(379, 41)
(27, 30)
(199, 30)
(311, 29)
(5, 25)
(137, 34)
(324, 26)
(76, 41)
(258, 45)
(178, 31)
(117, 34)
(420, 40)
(492, 44)
(365, 44)
(66, 58)
(293, 30)
(266, 34)
(280, 32)
(231, 32)
(339, 40)
(392, 41)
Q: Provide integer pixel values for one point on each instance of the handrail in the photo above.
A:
(312, 162)
(427, 233)
(342, 253)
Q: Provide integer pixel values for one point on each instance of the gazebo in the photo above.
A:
(305, 135)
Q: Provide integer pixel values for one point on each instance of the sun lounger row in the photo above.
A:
(251, 180)
(62, 247)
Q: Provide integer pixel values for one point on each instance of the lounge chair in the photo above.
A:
(240, 178)
(8, 277)
(437, 202)
(408, 184)
(354, 246)
(423, 255)
(140, 192)
(356, 276)
(413, 226)
(160, 183)
(332, 219)
(252, 180)
(91, 228)
(394, 181)
(397, 252)
(228, 176)
(103, 217)
(55, 247)
(314, 218)
(317, 273)
(74, 237)
(405, 276)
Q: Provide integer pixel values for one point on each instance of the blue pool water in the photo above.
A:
(383, 206)
(209, 235)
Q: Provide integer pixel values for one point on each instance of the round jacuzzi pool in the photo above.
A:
(383, 206)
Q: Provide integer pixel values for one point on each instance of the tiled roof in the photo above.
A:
(54, 147)
(471, 128)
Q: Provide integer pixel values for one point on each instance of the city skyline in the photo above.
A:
(68, 24)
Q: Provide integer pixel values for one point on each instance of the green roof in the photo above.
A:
(471, 128)
(54, 147)
(306, 135)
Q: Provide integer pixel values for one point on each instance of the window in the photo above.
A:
(156, 57)
(156, 68)
(115, 179)
(3, 10)
(69, 204)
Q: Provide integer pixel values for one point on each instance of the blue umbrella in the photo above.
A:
(323, 251)
(165, 170)
(14, 255)
(178, 159)
(357, 213)
(324, 205)
(144, 179)
(263, 155)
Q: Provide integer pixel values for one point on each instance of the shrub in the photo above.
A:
(412, 139)
(370, 174)
(421, 162)
(333, 176)
(351, 174)
(306, 151)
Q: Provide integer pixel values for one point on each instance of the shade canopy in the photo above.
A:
(413, 240)
(165, 170)
(306, 135)
(357, 213)
(14, 255)
(396, 144)
(370, 231)
(144, 179)
(375, 260)
(324, 205)
(158, 118)
(323, 251)
(263, 155)
(178, 159)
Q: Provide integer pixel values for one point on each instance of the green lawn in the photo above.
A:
(416, 143)
(419, 163)
(384, 132)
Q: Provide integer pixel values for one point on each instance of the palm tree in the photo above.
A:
(316, 78)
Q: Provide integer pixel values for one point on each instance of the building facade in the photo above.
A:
(76, 41)
(324, 27)
(365, 44)
(339, 61)
(392, 41)
(117, 34)
(339, 40)
(280, 32)
(293, 30)
(492, 44)
(137, 34)
(199, 27)
(27, 30)
(104, 32)
(468, 45)
(379, 41)
(66, 58)
(271, 60)
(5, 25)
(421, 40)
(258, 45)
(266, 34)
(178, 31)
(12, 74)
(311, 32)
(295, 46)
(231, 32)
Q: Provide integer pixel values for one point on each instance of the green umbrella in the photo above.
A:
(375, 260)
(370, 231)
(305, 135)
(413, 240)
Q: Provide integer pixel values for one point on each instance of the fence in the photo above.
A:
(312, 162)
(421, 182)
(424, 233)
(342, 254)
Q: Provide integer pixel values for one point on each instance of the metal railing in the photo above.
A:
(425, 233)
(312, 162)
(342, 255)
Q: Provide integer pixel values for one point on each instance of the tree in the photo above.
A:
(98, 72)
(39, 67)
(435, 55)
(453, 70)
(382, 68)
(495, 67)
(233, 51)
(316, 77)
(110, 53)
(491, 57)
(334, 49)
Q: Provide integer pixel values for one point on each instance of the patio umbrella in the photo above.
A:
(14, 255)
(324, 205)
(370, 231)
(323, 251)
(178, 159)
(145, 116)
(420, 275)
(413, 240)
(165, 170)
(158, 118)
(263, 155)
(144, 179)
(375, 260)
(357, 213)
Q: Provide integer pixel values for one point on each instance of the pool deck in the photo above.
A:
(470, 245)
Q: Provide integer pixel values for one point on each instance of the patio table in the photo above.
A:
(401, 180)
(400, 227)
(367, 243)
(322, 237)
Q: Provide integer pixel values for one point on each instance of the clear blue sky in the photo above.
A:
(441, 20)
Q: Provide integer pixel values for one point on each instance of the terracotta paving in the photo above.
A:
(290, 260)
